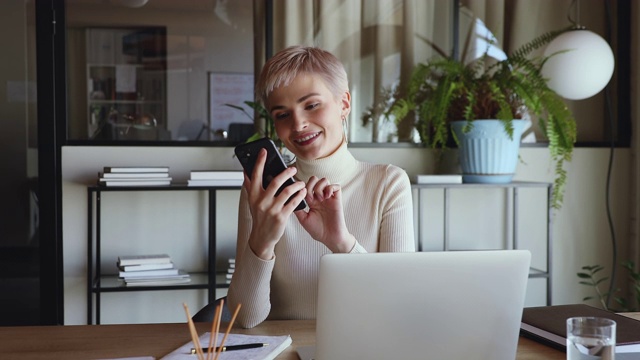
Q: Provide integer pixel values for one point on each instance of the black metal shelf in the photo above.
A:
(98, 283)
(199, 280)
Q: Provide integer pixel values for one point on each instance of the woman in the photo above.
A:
(353, 206)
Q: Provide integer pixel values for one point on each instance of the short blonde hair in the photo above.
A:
(287, 64)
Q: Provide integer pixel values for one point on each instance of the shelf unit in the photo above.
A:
(126, 84)
(98, 283)
(512, 215)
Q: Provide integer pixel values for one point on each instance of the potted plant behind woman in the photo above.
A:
(484, 102)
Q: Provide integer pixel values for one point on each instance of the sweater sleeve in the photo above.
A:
(250, 285)
(395, 223)
(396, 227)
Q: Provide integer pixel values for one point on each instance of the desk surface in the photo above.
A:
(118, 341)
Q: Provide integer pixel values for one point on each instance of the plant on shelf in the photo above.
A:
(445, 90)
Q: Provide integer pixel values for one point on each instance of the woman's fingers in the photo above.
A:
(320, 189)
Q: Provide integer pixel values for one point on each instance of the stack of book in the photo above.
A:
(216, 178)
(150, 270)
(230, 270)
(135, 176)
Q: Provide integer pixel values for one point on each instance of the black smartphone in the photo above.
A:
(247, 153)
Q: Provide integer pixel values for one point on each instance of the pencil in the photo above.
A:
(215, 328)
(212, 339)
(194, 333)
(224, 338)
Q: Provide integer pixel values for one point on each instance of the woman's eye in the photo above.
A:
(281, 115)
(312, 106)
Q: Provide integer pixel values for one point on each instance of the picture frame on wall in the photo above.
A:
(225, 122)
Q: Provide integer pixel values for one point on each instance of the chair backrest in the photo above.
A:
(207, 313)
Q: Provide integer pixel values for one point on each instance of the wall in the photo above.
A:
(580, 231)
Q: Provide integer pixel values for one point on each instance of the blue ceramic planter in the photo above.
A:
(487, 154)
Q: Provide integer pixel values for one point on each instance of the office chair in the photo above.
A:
(207, 313)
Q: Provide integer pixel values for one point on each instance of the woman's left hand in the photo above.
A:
(325, 219)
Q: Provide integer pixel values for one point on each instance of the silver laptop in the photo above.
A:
(425, 305)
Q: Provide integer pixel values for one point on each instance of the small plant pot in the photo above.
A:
(487, 154)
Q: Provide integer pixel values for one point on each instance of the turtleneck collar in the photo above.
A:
(337, 167)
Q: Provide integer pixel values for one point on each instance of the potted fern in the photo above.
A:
(449, 98)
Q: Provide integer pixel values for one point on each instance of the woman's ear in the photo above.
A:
(346, 103)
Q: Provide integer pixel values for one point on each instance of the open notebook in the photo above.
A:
(276, 344)
(425, 305)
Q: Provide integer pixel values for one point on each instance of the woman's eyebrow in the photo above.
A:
(305, 97)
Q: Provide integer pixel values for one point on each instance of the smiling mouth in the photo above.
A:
(306, 139)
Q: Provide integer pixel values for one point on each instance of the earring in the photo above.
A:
(345, 129)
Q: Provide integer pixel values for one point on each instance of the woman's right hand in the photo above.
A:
(268, 211)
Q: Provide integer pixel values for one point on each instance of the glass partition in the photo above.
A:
(158, 71)
(161, 71)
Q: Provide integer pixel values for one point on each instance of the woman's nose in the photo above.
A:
(300, 122)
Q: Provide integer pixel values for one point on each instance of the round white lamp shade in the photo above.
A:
(581, 65)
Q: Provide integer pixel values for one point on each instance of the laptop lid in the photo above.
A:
(435, 305)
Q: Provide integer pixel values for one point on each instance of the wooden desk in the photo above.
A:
(117, 341)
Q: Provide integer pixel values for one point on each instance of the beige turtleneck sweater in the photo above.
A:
(378, 211)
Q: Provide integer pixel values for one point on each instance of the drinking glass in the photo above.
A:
(591, 338)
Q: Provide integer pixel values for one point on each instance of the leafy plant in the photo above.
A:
(445, 89)
(269, 129)
(375, 114)
(590, 277)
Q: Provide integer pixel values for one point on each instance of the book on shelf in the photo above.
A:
(127, 260)
(148, 273)
(213, 182)
(140, 182)
(134, 175)
(231, 268)
(164, 178)
(159, 282)
(178, 275)
(216, 175)
(143, 267)
(438, 179)
(276, 344)
(135, 169)
(548, 325)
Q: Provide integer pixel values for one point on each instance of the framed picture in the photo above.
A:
(229, 88)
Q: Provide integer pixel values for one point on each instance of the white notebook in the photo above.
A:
(276, 345)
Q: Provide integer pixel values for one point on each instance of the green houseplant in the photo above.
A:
(591, 277)
(269, 129)
(444, 90)
(261, 113)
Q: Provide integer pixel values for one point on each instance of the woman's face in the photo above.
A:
(308, 117)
